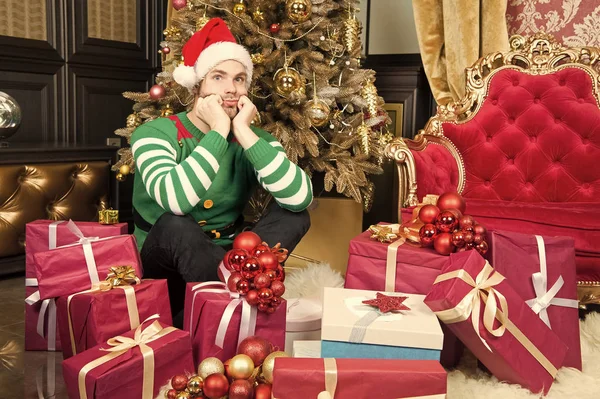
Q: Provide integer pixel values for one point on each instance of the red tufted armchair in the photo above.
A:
(523, 147)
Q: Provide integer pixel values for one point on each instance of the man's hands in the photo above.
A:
(210, 110)
(241, 123)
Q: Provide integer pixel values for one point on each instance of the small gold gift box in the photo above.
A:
(108, 216)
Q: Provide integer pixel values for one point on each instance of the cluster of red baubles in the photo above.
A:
(448, 229)
(255, 272)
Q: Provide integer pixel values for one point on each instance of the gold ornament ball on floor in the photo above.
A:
(269, 364)
(317, 112)
(121, 177)
(124, 170)
(210, 365)
(195, 385)
(239, 9)
(298, 10)
(287, 80)
(241, 367)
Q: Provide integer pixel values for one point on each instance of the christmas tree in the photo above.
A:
(308, 86)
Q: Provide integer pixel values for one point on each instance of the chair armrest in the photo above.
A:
(426, 165)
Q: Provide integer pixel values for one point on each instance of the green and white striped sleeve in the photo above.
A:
(177, 188)
(289, 184)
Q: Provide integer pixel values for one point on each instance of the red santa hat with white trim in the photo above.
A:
(206, 49)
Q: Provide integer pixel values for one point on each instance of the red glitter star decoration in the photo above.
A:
(387, 303)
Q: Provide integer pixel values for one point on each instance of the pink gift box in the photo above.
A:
(298, 378)
(123, 376)
(416, 270)
(67, 270)
(40, 235)
(508, 358)
(517, 257)
(100, 315)
(204, 311)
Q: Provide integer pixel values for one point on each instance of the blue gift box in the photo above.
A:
(351, 329)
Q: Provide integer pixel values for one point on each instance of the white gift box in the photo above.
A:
(303, 321)
(351, 329)
(311, 349)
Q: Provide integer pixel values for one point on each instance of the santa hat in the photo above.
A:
(206, 49)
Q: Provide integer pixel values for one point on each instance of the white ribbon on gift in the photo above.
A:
(249, 313)
(545, 298)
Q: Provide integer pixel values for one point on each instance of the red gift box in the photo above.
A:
(411, 270)
(298, 378)
(542, 271)
(76, 268)
(134, 365)
(492, 320)
(43, 235)
(95, 317)
(218, 320)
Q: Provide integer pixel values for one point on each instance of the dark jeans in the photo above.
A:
(177, 249)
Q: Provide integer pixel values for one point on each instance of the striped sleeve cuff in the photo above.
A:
(261, 154)
(215, 144)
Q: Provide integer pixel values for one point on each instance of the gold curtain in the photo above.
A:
(24, 18)
(113, 20)
(452, 35)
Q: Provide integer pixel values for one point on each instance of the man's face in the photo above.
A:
(228, 80)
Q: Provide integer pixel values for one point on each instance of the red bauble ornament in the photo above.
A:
(172, 394)
(271, 273)
(262, 391)
(480, 229)
(280, 273)
(466, 221)
(263, 307)
(469, 246)
(271, 309)
(262, 281)
(252, 297)
(233, 280)
(446, 222)
(157, 92)
(268, 260)
(241, 389)
(458, 214)
(468, 236)
(215, 386)
(443, 244)
(179, 382)
(265, 295)
(179, 4)
(256, 347)
(277, 287)
(482, 247)
(246, 240)
(276, 301)
(165, 50)
(243, 286)
(426, 234)
(458, 239)
(428, 213)
(274, 28)
(478, 239)
(235, 258)
(259, 249)
(251, 268)
(451, 201)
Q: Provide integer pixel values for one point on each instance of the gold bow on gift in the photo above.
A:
(121, 275)
(108, 216)
(386, 233)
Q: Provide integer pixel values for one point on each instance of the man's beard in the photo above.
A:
(230, 111)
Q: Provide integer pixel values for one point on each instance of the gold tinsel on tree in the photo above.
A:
(308, 86)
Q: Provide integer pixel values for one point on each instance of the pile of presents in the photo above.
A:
(404, 317)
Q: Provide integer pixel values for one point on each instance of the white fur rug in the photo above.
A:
(467, 381)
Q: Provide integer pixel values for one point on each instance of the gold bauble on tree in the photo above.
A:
(124, 170)
(121, 177)
(269, 364)
(257, 58)
(239, 8)
(241, 367)
(210, 365)
(317, 111)
(133, 120)
(288, 80)
(298, 11)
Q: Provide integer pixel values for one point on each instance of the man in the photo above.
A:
(196, 171)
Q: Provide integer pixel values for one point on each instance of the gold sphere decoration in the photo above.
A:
(287, 80)
(257, 58)
(239, 8)
(317, 111)
(298, 11)
(269, 364)
(200, 22)
(195, 385)
(183, 395)
(133, 120)
(210, 365)
(121, 177)
(241, 367)
(124, 170)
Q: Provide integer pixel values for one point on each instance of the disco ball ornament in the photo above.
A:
(10, 117)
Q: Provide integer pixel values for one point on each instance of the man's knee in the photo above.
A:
(303, 221)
